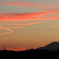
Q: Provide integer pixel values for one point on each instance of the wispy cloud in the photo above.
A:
(9, 29)
(27, 23)
(15, 27)
(26, 17)
(56, 26)
(26, 4)
(56, 21)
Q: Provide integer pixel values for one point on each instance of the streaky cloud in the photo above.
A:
(9, 29)
(26, 23)
(29, 16)
(27, 4)
(56, 26)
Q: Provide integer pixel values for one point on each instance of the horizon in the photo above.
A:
(28, 24)
(27, 48)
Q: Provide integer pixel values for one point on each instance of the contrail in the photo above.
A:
(10, 31)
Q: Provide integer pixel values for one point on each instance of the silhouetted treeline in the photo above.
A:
(37, 54)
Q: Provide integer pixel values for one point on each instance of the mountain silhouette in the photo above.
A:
(51, 46)
(45, 52)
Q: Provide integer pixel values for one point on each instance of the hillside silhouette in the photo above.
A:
(51, 46)
(50, 51)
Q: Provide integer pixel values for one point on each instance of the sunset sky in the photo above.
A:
(26, 24)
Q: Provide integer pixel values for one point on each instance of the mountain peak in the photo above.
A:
(52, 46)
(55, 42)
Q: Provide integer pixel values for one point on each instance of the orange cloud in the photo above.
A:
(21, 16)
(26, 17)
(24, 4)
(29, 16)
(15, 27)
(18, 49)
(9, 29)
(52, 11)
(27, 23)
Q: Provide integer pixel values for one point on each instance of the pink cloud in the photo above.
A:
(20, 16)
(44, 5)
(31, 4)
(18, 49)
(29, 16)
(26, 4)
(4, 3)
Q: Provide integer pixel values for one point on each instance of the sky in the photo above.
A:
(26, 24)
